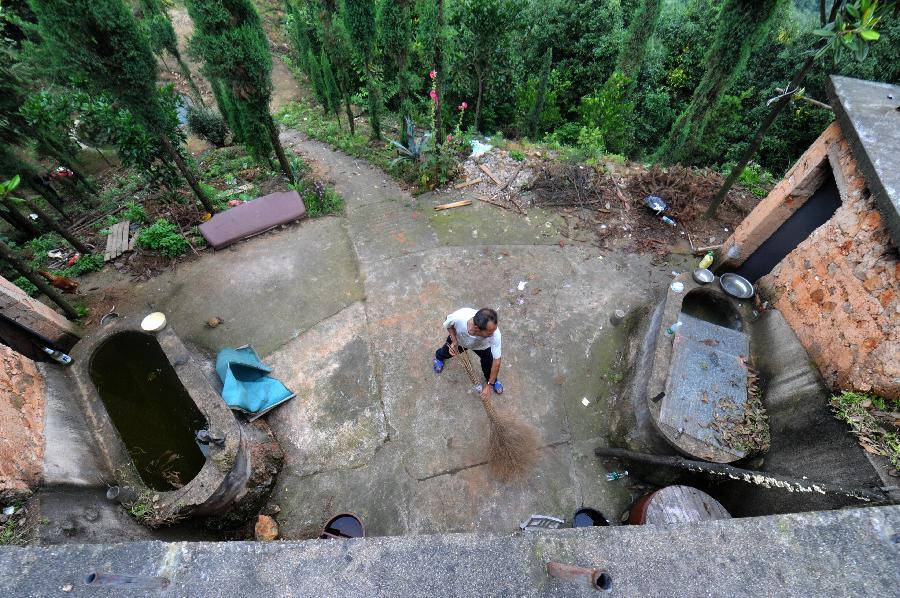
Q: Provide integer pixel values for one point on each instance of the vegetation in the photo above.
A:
(165, 237)
(868, 417)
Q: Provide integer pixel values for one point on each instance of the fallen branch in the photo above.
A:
(488, 200)
(702, 250)
(758, 478)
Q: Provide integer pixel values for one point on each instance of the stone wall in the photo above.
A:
(839, 289)
(21, 425)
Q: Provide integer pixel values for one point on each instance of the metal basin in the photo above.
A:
(703, 276)
(736, 286)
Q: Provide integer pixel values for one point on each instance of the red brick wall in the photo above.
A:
(21, 424)
(839, 290)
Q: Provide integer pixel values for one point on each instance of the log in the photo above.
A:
(759, 478)
(455, 204)
(468, 183)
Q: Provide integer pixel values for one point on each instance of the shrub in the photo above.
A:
(517, 155)
(134, 212)
(207, 124)
(319, 199)
(84, 264)
(163, 236)
(26, 285)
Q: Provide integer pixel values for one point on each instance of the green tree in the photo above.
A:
(741, 25)
(534, 116)
(229, 37)
(158, 28)
(637, 37)
(101, 40)
(359, 17)
(395, 38)
(302, 29)
(851, 28)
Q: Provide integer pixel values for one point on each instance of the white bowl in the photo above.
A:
(154, 322)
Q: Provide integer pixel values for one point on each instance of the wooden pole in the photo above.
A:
(758, 478)
(17, 264)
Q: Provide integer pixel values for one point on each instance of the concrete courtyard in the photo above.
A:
(348, 310)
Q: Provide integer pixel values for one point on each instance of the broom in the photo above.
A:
(513, 444)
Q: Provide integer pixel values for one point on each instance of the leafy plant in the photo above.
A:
(84, 264)
(517, 155)
(26, 285)
(853, 29)
(415, 148)
(134, 212)
(163, 236)
(856, 409)
(319, 199)
(208, 124)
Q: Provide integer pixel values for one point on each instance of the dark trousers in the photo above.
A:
(487, 360)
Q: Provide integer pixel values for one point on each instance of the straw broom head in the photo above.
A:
(513, 443)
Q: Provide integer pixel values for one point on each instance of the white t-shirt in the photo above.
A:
(460, 321)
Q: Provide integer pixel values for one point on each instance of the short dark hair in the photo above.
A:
(483, 316)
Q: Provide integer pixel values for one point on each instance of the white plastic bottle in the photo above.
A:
(671, 330)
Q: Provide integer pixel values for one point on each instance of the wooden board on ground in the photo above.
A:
(117, 240)
(468, 183)
(488, 172)
(455, 204)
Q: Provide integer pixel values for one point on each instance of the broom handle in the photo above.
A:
(467, 365)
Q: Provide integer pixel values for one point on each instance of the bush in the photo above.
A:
(84, 264)
(163, 236)
(319, 199)
(26, 285)
(134, 212)
(207, 124)
(517, 155)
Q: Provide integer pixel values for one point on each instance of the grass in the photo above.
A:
(860, 411)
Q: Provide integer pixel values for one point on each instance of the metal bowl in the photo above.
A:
(736, 286)
(703, 276)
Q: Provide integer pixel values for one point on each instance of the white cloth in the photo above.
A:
(460, 321)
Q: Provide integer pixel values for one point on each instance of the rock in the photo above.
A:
(266, 529)
(67, 588)
(271, 509)
(213, 322)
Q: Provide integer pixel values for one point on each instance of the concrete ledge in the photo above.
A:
(835, 553)
(32, 315)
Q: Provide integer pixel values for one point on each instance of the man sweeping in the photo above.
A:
(475, 330)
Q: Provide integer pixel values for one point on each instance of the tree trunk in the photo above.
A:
(478, 101)
(186, 73)
(279, 150)
(759, 478)
(776, 110)
(374, 104)
(186, 173)
(20, 222)
(349, 113)
(534, 116)
(439, 67)
(50, 194)
(81, 247)
(35, 279)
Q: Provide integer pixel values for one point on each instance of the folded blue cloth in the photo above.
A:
(246, 384)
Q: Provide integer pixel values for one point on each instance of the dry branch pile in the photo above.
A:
(686, 190)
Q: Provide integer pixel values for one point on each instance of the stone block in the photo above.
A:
(21, 425)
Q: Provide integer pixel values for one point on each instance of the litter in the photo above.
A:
(246, 384)
(585, 401)
(479, 149)
(522, 284)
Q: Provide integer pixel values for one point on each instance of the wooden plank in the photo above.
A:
(488, 172)
(455, 204)
(468, 183)
(116, 240)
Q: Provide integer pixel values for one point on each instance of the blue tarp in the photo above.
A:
(246, 384)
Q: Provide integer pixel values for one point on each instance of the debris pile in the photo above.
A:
(744, 429)
(686, 190)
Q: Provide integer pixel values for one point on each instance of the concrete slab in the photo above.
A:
(267, 289)
(832, 553)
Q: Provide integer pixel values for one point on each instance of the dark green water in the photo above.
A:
(152, 411)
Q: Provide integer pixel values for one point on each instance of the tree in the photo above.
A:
(534, 116)
(395, 36)
(229, 37)
(158, 28)
(637, 38)
(102, 42)
(852, 28)
(359, 16)
(336, 46)
(742, 23)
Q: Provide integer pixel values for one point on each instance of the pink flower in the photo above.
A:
(449, 137)
(433, 95)
(432, 74)
(464, 105)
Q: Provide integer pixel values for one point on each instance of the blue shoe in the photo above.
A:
(498, 388)
(438, 366)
